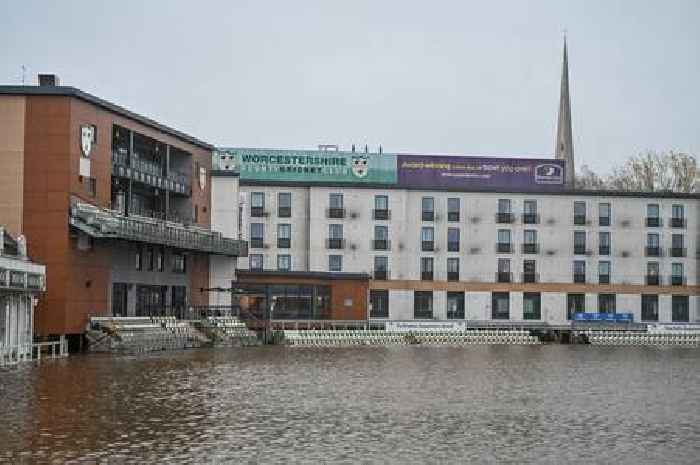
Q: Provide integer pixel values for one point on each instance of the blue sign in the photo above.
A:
(608, 317)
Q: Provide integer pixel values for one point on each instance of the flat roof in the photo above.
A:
(68, 91)
(329, 275)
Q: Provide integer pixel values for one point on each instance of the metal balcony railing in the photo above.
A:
(453, 275)
(603, 221)
(505, 217)
(579, 250)
(603, 250)
(257, 243)
(381, 214)
(427, 215)
(381, 275)
(678, 251)
(284, 243)
(427, 246)
(284, 212)
(504, 277)
(653, 222)
(579, 277)
(677, 280)
(426, 275)
(652, 251)
(335, 243)
(452, 216)
(604, 279)
(504, 247)
(653, 280)
(453, 246)
(580, 220)
(381, 244)
(258, 212)
(531, 248)
(531, 218)
(335, 213)
(678, 222)
(530, 277)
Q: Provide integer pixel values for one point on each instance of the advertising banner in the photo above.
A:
(408, 326)
(310, 166)
(480, 173)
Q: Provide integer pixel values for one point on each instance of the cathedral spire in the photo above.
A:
(564, 149)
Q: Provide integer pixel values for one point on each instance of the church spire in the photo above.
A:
(564, 149)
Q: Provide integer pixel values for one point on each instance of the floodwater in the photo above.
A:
(407, 404)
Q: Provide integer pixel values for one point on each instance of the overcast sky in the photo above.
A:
(479, 78)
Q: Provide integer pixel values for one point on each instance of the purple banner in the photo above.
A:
(480, 173)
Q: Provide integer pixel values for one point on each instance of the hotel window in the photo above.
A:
(150, 259)
(604, 272)
(453, 209)
(604, 214)
(379, 301)
(138, 257)
(653, 249)
(650, 307)
(530, 212)
(653, 274)
(284, 236)
(284, 204)
(160, 258)
(257, 204)
(677, 246)
(255, 262)
(335, 263)
(529, 271)
(500, 305)
(575, 303)
(427, 238)
(381, 238)
(606, 303)
(335, 206)
(381, 207)
(453, 269)
(653, 219)
(677, 274)
(530, 241)
(504, 214)
(579, 271)
(381, 268)
(428, 209)
(179, 263)
(503, 245)
(455, 305)
(453, 239)
(532, 306)
(604, 243)
(426, 268)
(284, 262)
(257, 234)
(579, 213)
(677, 216)
(579, 242)
(423, 305)
(680, 308)
(335, 236)
(503, 273)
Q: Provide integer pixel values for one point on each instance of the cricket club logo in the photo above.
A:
(360, 165)
(87, 139)
(549, 173)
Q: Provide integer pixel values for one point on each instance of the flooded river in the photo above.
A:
(478, 404)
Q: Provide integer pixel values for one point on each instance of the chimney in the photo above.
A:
(49, 80)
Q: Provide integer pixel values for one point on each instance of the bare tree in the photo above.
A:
(587, 179)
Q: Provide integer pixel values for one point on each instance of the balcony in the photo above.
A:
(530, 248)
(604, 279)
(428, 215)
(678, 251)
(381, 214)
(505, 217)
(381, 275)
(653, 222)
(453, 275)
(504, 247)
(677, 280)
(426, 275)
(258, 212)
(256, 243)
(530, 277)
(504, 277)
(603, 250)
(284, 212)
(427, 246)
(579, 277)
(652, 251)
(147, 172)
(603, 221)
(335, 213)
(531, 218)
(678, 222)
(380, 244)
(284, 243)
(453, 246)
(579, 250)
(452, 216)
(580, 220)
(335, 243)
(653, 280)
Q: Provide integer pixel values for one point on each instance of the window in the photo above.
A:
(422, 305)
(677, 248)
(579, 213)
(500, 305)
(604, 272)
(650, 307)
(284, 262)
(381, 238)
(452, 209)
(138, 257)
(381, 207)
(426, 268)
(604, 243)
(653, 219)
(530, 212)
(255, 261)
(606, 303)
(579, 271)
(604, 214)
(335, 206)
(381, 268)
(335, 263)
(453, 269)
(379, 301)
(579, 242)
(284, 236)
(504, 214)
(677, 274)
(428, 209)
(284, 204)
(530, 241)
(575, 303)
(179, 263)
(679, 308)
(652, 273)
(335, 236)
(503, 245)
(257, 204)
(453, 239)
(677, 216)
(257, 231)
(532, 306)
(653, 249)
(529, 271)
(196, 213)
(160, 259)
(150, 259)
(427, 238)
(503, 273)
(455, 305)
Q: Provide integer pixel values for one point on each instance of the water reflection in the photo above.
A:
(538, 404)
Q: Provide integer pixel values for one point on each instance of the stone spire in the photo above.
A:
(564, 149)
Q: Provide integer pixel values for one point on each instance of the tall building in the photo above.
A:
(564, 147)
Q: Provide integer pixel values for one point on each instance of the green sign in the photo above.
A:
(309, 165)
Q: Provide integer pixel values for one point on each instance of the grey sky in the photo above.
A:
(477, 78)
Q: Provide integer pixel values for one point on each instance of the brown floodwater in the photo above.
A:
(476, 404)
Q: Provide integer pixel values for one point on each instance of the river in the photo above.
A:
(407, 404)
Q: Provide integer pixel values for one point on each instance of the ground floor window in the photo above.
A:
(606, 303)
(119, 299)
(650, 307)
(150, 300)
(455, 305)
(680, 310)
(379, 299)
(423, 305)
(575, 303)
(532, 306)
(500, 305)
